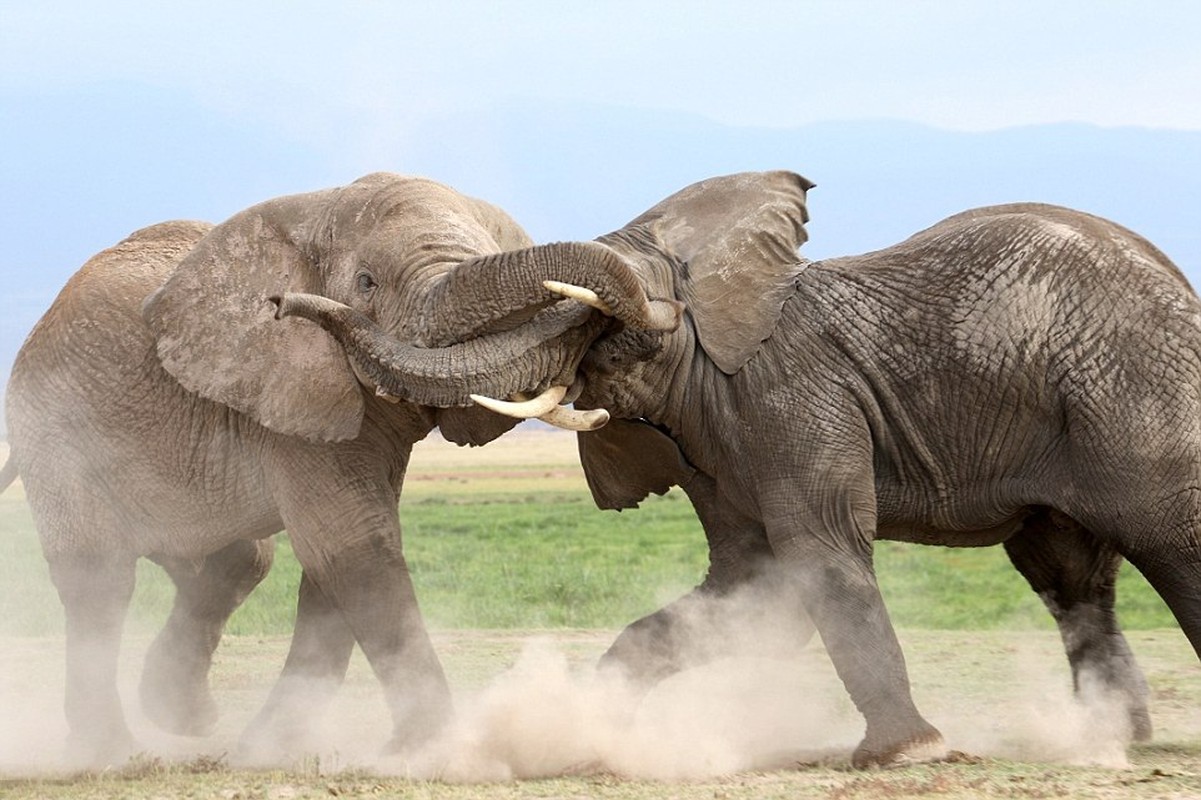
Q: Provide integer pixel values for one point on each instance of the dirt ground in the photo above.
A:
(532, 707)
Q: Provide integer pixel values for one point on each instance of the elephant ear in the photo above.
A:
(738, 237)
(217, 335)
(472, 425)
(627, 460)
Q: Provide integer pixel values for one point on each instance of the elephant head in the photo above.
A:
(727, 249)
(421, 294)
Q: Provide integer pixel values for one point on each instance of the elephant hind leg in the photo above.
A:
(174, 689)
(95, 593)
(1075, 572)
(1170, 560)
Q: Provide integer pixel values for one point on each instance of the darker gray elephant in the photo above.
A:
(1023, 375)
(174, 404)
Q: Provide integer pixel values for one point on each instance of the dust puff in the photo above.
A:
(539, 719)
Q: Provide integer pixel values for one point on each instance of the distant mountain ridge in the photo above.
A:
(86, 169)
(877, 181)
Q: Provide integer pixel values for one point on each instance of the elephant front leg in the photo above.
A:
(826, 548)
(739, 591)
(174, 689)
(368, 582)
(1075, 574)
(322, 644)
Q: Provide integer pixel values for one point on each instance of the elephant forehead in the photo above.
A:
(421, 229)
(406, 245)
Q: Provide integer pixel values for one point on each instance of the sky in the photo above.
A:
(326, 71)
(325, 92)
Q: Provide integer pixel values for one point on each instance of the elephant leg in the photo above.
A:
(95, 593)
(343, 520)
(388, 626)
(704, 624)
(1169, 557)
(821, 524)
(1075, 574)
(174, 688)
(322, 644)
(373, 589)
(1158, 529)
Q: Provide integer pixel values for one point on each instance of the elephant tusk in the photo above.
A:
(585, 296)
(544, 403)
(570, 419)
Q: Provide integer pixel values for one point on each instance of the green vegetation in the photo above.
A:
(523, 556)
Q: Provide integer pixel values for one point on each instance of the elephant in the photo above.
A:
(176, 403)
(1023, 374)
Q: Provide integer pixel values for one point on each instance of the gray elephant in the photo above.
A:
(166, 407)
(1022, 374)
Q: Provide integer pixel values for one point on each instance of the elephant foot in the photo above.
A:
(279, 733)
(417, 732)
(184, 714)
(265, 745)
(97, 750)
(176, 701)
(925, 746)
(647, 651)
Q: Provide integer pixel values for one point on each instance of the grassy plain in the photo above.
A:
(505, 547)
(507, 536)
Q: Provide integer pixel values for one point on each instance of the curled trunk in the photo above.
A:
(503, 291)
(534, 355)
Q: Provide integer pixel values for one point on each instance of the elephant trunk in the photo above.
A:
(544, 352)
(502, 291)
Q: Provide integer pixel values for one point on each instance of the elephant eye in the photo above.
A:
(366, 282)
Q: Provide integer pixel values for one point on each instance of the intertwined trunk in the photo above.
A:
(498, 292)
(544, 352)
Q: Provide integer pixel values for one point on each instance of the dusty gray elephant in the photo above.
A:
(164, 407)
(1022, 374)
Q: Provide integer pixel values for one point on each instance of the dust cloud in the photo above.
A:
(541, 719)
(553, 713)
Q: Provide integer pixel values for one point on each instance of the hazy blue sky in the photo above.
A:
(369, 70)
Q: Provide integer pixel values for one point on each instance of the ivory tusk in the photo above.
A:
(572, 420)
(544, 403)
(585, 296)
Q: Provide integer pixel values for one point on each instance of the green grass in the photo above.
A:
(531, 558)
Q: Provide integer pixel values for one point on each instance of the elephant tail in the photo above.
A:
(8, 473)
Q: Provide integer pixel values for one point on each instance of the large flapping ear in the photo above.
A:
(627, 460)
(218, 337)
(738, 237)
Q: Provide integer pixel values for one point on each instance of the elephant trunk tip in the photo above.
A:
(281, 305)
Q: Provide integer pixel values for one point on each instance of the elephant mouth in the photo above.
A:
(610, 354)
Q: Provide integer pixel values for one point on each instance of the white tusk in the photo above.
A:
(585, 296)
(569, 419)
(524, 409)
